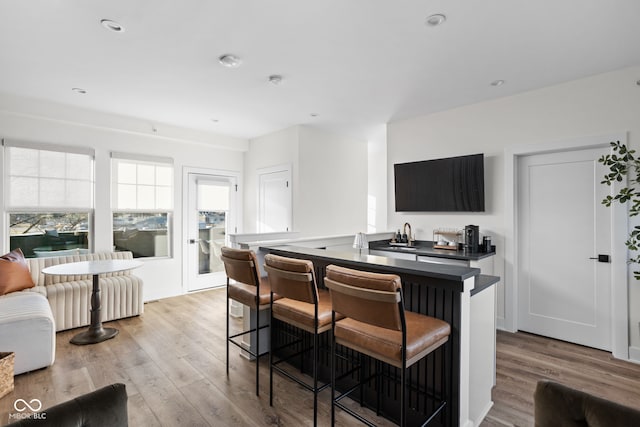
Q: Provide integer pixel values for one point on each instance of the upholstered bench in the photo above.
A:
(27, 328)
(70, 296)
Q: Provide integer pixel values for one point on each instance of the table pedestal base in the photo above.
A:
(94, 336)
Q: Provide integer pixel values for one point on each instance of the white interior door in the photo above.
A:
(274, 201)
(563, 292)
(211, 218)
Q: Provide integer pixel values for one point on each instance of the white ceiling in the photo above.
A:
(356, 63)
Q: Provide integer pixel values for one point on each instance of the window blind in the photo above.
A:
(43, 177)
(142, 183)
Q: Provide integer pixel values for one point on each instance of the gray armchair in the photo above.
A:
(557, 405)
(106, 407)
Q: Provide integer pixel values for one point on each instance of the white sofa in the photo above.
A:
(70, 296)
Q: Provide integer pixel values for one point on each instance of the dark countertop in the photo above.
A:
(425, 248)
(450, 272)
(483, 282)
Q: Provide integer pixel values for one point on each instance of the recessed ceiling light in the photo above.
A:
(435, 20)
(275, 79)
(78, 90)
(112, 26)
(497, 83)
(230, 61)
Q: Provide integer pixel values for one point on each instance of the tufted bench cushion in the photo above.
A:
(70, 296)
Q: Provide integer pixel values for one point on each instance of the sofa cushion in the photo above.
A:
(27, 328)
(14, 272)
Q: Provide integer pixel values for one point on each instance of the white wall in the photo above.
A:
(162, 277)
(377, 181)
(333, 184)
(274, 149)
(329, 174)
(602, 104)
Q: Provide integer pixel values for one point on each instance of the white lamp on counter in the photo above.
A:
(360, 242)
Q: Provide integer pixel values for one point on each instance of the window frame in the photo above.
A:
(9, 210)
(141, 159)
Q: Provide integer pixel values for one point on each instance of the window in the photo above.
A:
(49, 198)
(142, 204)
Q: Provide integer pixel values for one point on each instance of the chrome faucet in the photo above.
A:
(404, 233)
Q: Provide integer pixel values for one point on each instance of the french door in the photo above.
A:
(210, 218)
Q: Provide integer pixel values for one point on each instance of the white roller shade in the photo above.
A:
(213, 196)
(38, 178)
(142, 185)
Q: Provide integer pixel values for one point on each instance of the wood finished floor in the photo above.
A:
(172, 360)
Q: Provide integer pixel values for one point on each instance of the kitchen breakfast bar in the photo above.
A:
(459, 295)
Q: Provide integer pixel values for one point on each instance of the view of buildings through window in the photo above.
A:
(42, 234)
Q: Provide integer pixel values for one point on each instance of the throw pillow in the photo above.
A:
(14, 272)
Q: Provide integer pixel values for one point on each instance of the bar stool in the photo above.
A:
(251, 290)
(376, 324)
(301, 305)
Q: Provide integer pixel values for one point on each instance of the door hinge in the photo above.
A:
(236, 188)
(287, 184)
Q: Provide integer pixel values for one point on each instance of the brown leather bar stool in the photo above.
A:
(301, 305)
(376, 324)
(241, 265)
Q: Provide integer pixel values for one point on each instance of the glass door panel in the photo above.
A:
(211, 217)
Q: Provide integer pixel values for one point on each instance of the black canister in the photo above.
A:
(486, 244)
(471, 238)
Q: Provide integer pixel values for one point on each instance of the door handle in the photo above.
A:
(193, 241)
(602, 258)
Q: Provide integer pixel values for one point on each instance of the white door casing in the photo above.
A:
(203, 268)
(562, 226)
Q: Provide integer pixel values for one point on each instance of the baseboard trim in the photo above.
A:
(484, 413)
(634, 354)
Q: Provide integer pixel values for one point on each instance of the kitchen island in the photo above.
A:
(461, 296)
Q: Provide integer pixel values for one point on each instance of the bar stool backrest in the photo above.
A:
(241, 265)
(371, 298)
(291, 278)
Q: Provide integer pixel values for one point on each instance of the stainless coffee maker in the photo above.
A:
(471, 238)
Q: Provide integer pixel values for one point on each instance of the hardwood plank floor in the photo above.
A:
(172, 360)
(523, 359)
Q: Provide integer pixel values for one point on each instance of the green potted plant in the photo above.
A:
(623, 163)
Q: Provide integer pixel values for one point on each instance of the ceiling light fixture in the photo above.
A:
(215, 120)
(78, 90)
(497, 83)
(112, 25)
(230, 61)
(275, 79)
(314, 114)
(435, 19)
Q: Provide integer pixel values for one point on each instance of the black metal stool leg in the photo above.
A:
(271, 351)
(315, 378)
(257, 349)
(333, 369)
(227, 326)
